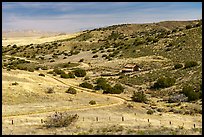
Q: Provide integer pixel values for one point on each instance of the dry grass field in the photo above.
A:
(36, 79)
(27, 103)
(23, 40)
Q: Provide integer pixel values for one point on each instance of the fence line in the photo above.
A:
(138, 122)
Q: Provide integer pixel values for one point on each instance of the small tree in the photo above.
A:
(80, 72)
(92, 102)
(190, 93)
(117, 89)
(139, 97)
(164, 82)
(71, 90)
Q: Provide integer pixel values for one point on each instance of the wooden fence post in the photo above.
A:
(96, 118)
(194, 125)
(12, 121)
(148, 120)
(122, 118)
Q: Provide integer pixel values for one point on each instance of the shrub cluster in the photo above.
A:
(86, 85)
(189, 64)
(92, 102)
(102, 84)
(80, 72)
(189, 92)
(58, 71)
(164, 82)
(139, 97)
(60, 119)
(71, 90)
(69, 75)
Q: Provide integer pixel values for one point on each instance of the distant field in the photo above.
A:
(35, 39)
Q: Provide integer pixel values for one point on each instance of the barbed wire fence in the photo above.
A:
(137, 122)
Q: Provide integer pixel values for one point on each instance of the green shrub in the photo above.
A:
(101, 84)
(58, 71)
(60, 119)
(117, 89)
(189, 92)
(80, 73)
(190, 64)
(92, 102)
(107, 89)
(71, 75)
(164, 82)
(139, 97)
(50, 72)
(86, 85)
(188, 26)
(178, 65)
(71, 90)
(64, 76)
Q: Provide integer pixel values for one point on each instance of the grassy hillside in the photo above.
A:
(178, 42)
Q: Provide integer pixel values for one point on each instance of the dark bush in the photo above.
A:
(31, 69)
(139, 97)
(60, 119)
(50, 90)
(81, 60)
(107, 88)
(58, 71)
(71, 90)
(64, 76)
(80, 72)
(164, 82)
(86, 85)
(15, 83)
(95, 56)
(42, 74)
(189, 92)
(92, 102)
(150, 112)
(104, 55)
(101, 84)
(178, 65)
(190, 64)
(188, 26)
(14, 46)
(71, 75)
(117, 89)
(86, 78)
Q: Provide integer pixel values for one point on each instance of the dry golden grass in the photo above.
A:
(35, 39)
